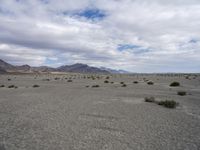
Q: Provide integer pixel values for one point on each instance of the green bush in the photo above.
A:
(168, 103)
(175, 83)
(149, 99)
(181, 93)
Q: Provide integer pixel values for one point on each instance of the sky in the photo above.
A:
(133, 35)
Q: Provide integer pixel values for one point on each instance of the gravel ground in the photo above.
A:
(70, 116)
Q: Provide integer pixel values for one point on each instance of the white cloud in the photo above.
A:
(48, 30)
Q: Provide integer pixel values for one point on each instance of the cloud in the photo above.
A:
(140, 36)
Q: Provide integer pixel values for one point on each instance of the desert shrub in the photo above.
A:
(168, 103)
(57, 78)
(107, 77)
(150, 83)
(12, 86)
(69, 81)
(106, 81)
(9, 79)
(111, 82)
(124, 85)
(135, 82)
(95, 86)
(149, 99)
(2, 86)
(181, 93)
(35, 86)
(175, 83)
(46, 79)
(87, 86)
(121, 82)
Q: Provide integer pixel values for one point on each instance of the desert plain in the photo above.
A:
(81, 112)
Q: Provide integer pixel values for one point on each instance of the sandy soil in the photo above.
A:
(61, 115)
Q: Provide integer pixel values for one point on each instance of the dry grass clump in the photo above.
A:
(181, 93)
(175, 83)
(149, 99)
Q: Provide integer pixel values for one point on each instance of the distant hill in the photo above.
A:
(6, 66)
(82, 68)
(43, 69)
(79, 68)
(23, 68)
(2, 70)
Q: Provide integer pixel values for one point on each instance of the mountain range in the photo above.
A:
(78, 68)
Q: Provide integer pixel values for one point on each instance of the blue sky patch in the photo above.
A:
(122, 47)
(92, 14)
(193, 41)
(45, 1)
(4, 11)
(134, 48)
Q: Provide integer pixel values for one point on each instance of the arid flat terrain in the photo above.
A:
(65, 112)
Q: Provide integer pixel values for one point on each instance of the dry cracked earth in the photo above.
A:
(64, 115)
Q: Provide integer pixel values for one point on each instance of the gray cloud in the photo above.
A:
(163, 28)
